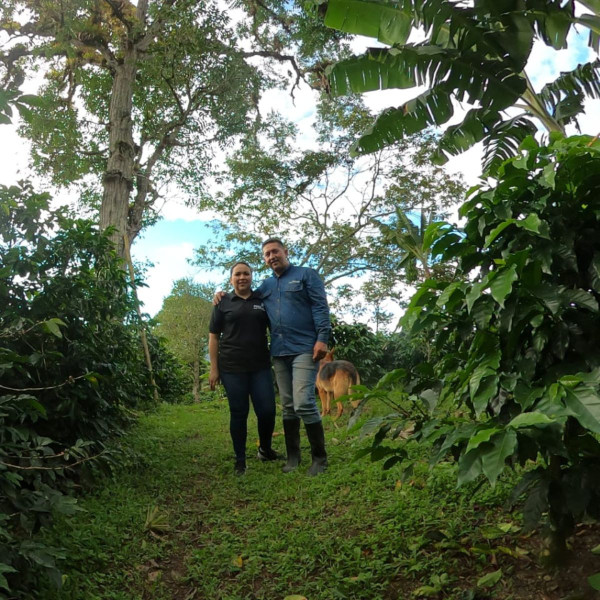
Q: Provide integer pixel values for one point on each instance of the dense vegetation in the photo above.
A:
(180, 526)
(500, 374)
(516, 381)
(72, 370)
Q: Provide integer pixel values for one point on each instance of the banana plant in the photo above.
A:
(416, 239)
(475, 54)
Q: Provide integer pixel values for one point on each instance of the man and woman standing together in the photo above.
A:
(292, 302)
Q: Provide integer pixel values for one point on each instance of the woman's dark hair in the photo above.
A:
(239, 262)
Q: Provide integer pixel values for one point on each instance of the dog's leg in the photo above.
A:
(323, 396)
(328, 398)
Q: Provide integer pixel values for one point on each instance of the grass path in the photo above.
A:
(353, 533)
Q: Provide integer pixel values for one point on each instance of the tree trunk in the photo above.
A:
(196, 388)
(118, 178)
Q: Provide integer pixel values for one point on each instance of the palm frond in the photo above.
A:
(503, 141)
(388, 22)
(433, 107)
(563, 97)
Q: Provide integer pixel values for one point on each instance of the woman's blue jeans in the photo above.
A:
(240, 387)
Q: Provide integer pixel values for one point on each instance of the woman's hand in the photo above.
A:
(213, 377)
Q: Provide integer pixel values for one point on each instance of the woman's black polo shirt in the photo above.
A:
(242, 326)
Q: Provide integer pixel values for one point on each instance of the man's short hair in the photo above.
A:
(239, 262)
(273, 240)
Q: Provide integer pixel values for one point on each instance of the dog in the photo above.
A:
(335, 379)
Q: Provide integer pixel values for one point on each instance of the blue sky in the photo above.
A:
(169, 245)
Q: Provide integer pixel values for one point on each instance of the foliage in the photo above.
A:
(518, 378)
(183, 323)
(140, 97)
(170, 374)
(71, 368)
(335, 213)
(468, 52)
(373, 354)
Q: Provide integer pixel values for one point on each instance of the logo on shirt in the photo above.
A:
(259, 306)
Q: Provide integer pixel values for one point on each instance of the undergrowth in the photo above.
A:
(180, 525)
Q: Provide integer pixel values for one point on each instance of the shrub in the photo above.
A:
(71, 370)
(518, 379)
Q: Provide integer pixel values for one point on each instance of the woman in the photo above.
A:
(239, 357)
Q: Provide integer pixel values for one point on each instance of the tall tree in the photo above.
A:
(135, 96)
(183, 322)
(470, 52)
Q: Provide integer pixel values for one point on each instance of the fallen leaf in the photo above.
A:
(490, 579)
(238, 561)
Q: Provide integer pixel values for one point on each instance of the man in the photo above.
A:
(296, 305)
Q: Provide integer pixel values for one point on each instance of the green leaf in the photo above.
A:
(490, 580)
(497, 231)
(3, 581)
(482, 311)
(548, 176)
(501, 285)
(594, 581)
(493, 459)
(584, 404)
(480, 437)
(474, 293)
(531, 223)
(447, 293)
(469, 466)
(556, 27)
(487, 390)
(37, 406)
(582, 298)
(365, 73)
(530, 419)
(52, 326)
(388, 24)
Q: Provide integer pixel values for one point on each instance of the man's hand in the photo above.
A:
(217, 298)
(213, 378)
(319, 351)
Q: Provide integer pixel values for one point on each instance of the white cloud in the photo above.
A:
(170, 264)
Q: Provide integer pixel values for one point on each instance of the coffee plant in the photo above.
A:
(72, 374)
(517, 381)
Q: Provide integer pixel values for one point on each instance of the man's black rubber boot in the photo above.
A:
(291, 429)
(316, 437)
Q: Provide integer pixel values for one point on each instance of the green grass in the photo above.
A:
(352, 533)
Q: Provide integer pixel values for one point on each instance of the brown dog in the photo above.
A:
(334, 379)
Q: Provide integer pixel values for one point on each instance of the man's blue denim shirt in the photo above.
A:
(297, 309)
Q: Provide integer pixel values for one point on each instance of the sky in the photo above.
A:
(168, 246)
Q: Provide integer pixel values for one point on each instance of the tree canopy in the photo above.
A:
(335, 212)
(183, 323)
(139, 97)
